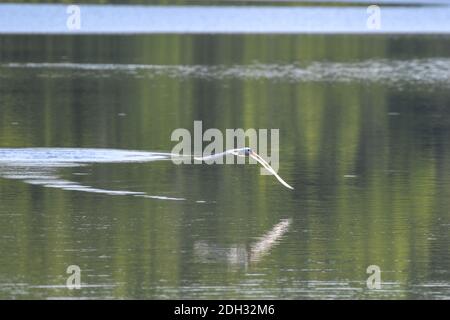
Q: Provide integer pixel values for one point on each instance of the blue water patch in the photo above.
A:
(127, 19)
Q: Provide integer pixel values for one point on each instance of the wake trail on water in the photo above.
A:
(41, 166)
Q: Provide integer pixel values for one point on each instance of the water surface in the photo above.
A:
(416, 17)
(364, 140)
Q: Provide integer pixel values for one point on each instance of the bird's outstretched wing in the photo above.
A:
(263, 162)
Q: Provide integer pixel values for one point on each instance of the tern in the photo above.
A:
(247, 152)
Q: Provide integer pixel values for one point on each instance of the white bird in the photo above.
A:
(247, 152)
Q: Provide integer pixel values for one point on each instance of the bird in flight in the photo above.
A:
(247, 152)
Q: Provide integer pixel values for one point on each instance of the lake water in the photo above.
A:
(364, 140)
(257, 17)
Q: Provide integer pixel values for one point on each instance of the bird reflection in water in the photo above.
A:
(243, 255)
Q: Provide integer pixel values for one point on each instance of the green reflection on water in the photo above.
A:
(368, 161)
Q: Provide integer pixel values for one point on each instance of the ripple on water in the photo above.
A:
(40, 166)
(431, 71)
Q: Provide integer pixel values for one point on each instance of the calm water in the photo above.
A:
(364, 139)
(230, 17)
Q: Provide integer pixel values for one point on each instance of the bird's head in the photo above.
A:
(248, 151)
(243, 152)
